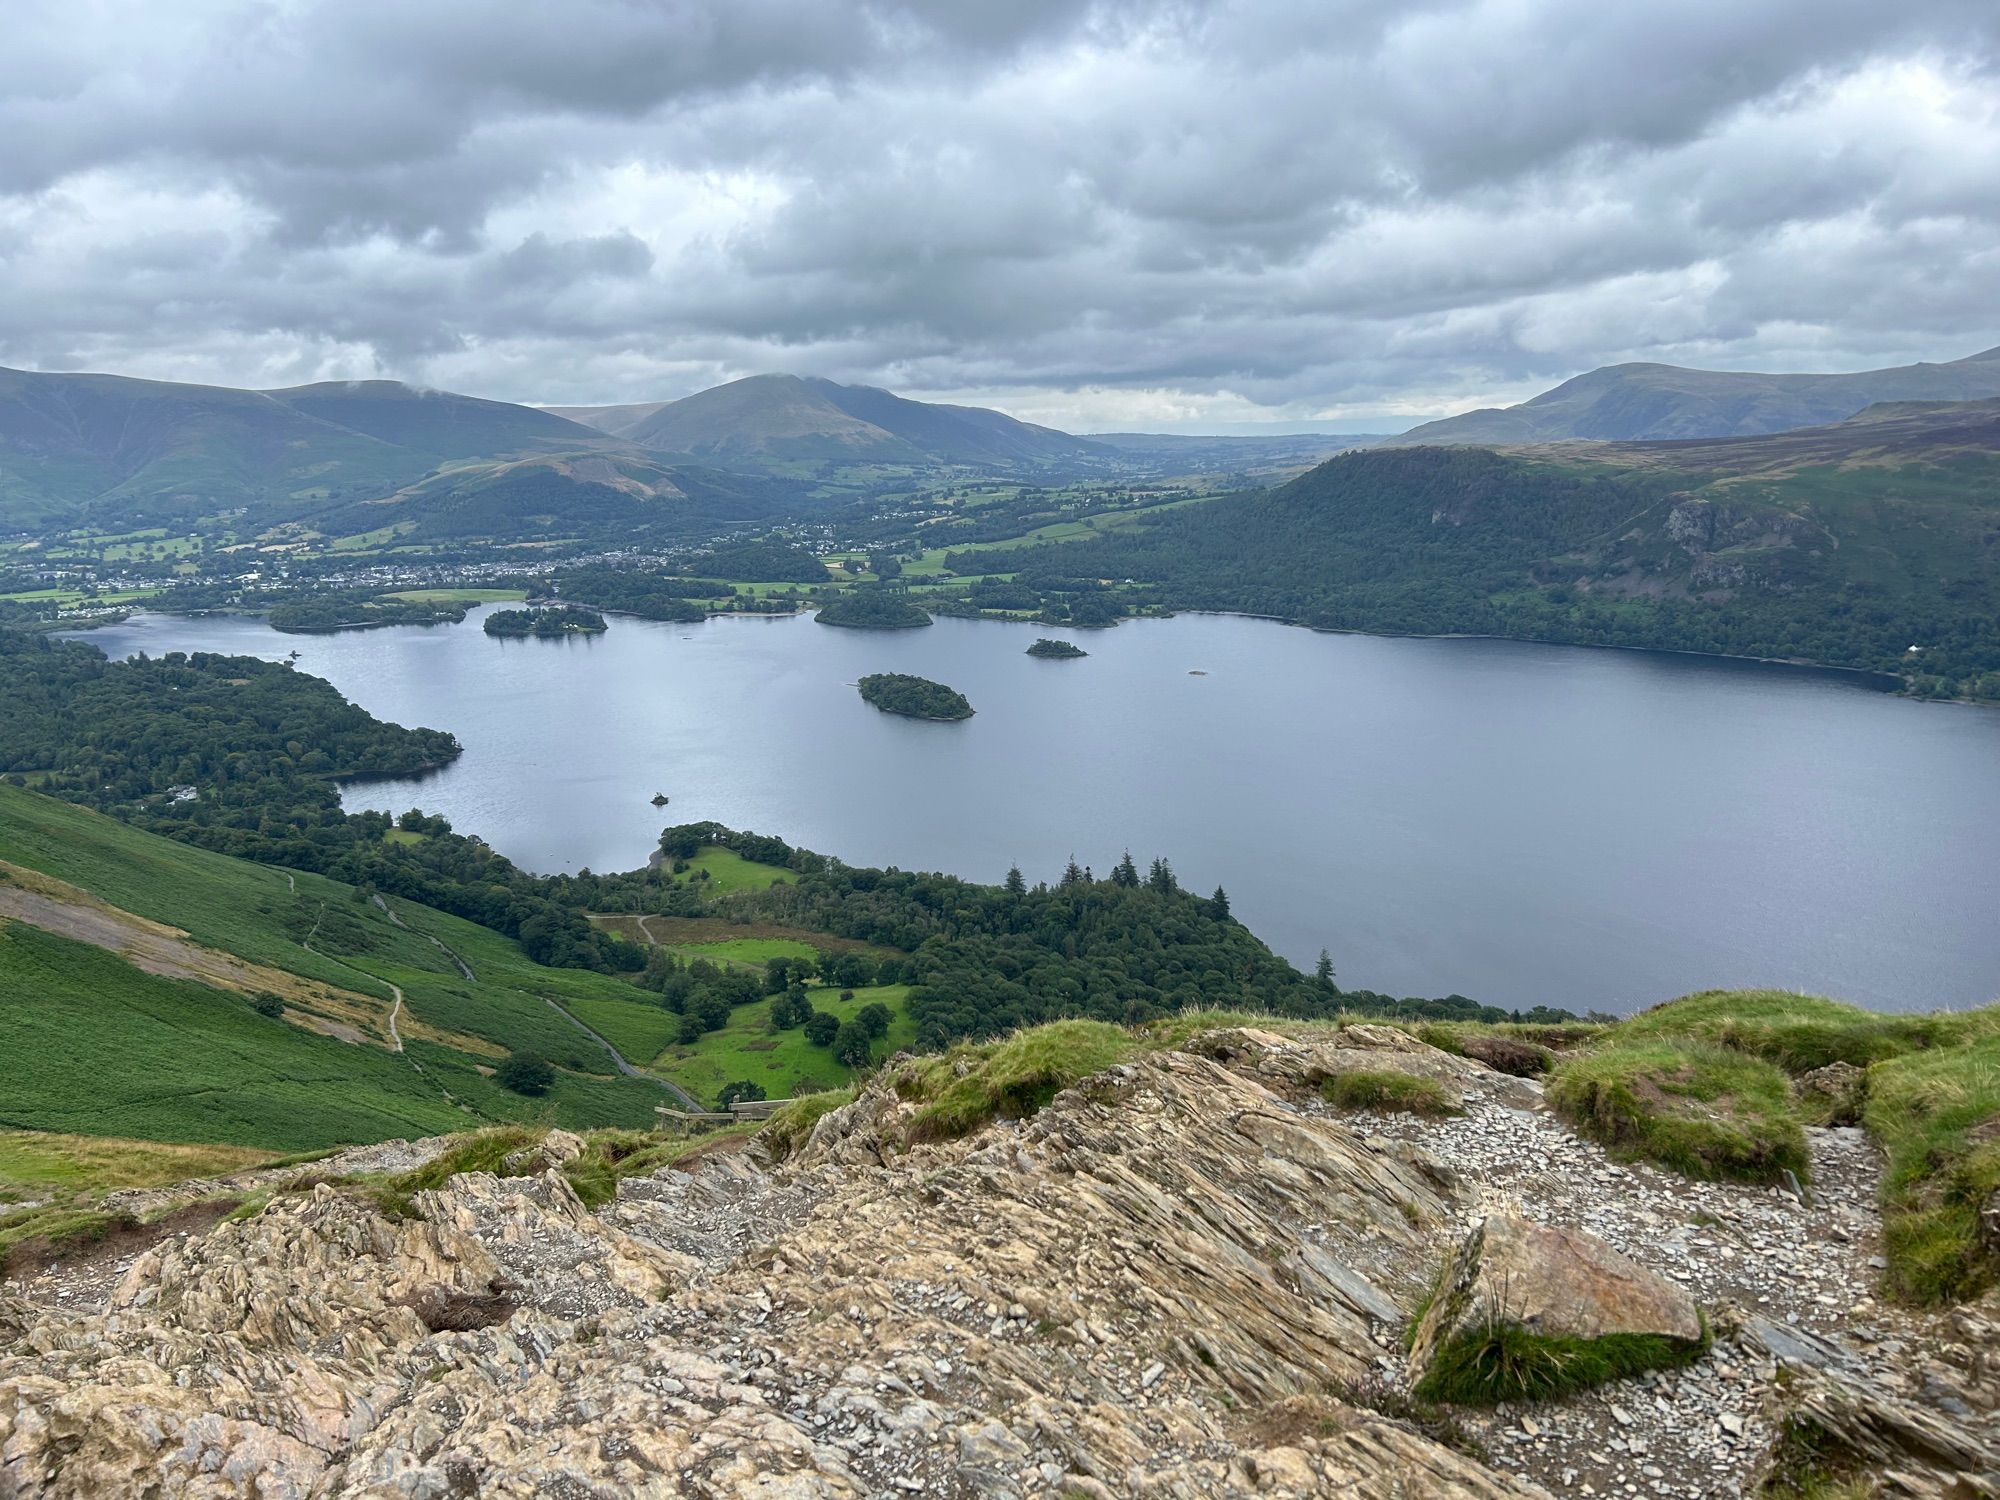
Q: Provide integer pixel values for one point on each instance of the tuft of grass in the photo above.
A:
(482, 1151)
(788, 1128)
(963, 1089)
(1937, 1116)
(610, 1156)
(1701, 1110)
(1384, 1091)
(1502, 1361)
(1806, 1465)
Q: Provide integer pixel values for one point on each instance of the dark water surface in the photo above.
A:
(1517, 823)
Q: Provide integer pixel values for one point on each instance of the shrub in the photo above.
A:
(739, 1090)
(525, 1073)
(268, 1004)
(1386, 1091)
(1701, 1110)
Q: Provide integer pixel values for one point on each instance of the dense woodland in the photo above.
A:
(647, 594)
(245, 757)
(872, 609)
(544, 624)
(913, 697)
(1466, 541)
(358, 610)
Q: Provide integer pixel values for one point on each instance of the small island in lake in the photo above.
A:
(872, 609)
(914, 697)
(545, 624)
(1049, 649)
(320, 614)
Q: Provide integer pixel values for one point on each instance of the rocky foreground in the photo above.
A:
(1186, 1276)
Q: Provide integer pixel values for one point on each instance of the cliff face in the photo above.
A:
(1186, 1276)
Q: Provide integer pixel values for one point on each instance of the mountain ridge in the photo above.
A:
(1643, 401)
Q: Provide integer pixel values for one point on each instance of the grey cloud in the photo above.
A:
(1301, 204)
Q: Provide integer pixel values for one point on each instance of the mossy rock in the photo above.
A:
(1529, 1312)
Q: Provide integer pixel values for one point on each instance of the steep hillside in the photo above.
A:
(1666, 401)
(785, 418)
(78, 449)
(1845, 545)
(436, 423)
(136, 963)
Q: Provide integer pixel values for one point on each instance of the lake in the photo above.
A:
(1522, 824)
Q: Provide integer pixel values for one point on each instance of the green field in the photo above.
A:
(264, 915)
(747, 953)
(729, 871)
(747, 1048)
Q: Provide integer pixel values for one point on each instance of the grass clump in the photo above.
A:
(788, 1128)
(1384, 1091)
(968, 1086)
(482, 1151)
(1701, 1110)
(1937, 1116)
(1502, 1361)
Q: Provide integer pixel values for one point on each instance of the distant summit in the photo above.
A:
(776, 418)
(1643, 401)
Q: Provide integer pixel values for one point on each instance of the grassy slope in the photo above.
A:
(252, 910)
(746, 1048)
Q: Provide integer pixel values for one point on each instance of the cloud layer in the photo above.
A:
(1109, 214)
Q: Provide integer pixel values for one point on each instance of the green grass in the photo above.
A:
(1937, 1115)
(965, 1088)
(37, 1163)
(729, 871)
(1699, 1109)
(254, 911)
(1802, 1032)
(97, 1047)
(779, 1061)
(1404, 1093)
(748, 953)
(1502, 1361)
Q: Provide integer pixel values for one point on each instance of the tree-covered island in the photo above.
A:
(872, 609)
(545, 624)
(914, 697)
(1050, 649)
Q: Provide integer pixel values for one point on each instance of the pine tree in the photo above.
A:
(1323, 970)
(1016, 886)
(1161, 878)
(1072, 872)
(1125, 872)
(1218, 904)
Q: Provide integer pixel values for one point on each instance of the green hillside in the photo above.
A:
(1667, 401)
(269, 1082)
(1844, 545)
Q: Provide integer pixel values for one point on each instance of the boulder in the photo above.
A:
(1553, 1284)
(1834, 1094)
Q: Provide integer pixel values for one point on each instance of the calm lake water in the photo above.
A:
(1518, 823)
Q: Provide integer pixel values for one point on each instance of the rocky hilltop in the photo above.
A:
(1187, 1275)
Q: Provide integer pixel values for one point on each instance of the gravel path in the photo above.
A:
(1758, 1248)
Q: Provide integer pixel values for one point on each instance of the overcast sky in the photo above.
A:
(1149, 215)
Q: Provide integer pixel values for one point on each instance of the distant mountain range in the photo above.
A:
(1643, 401)
(782, 418)
(82, 447)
